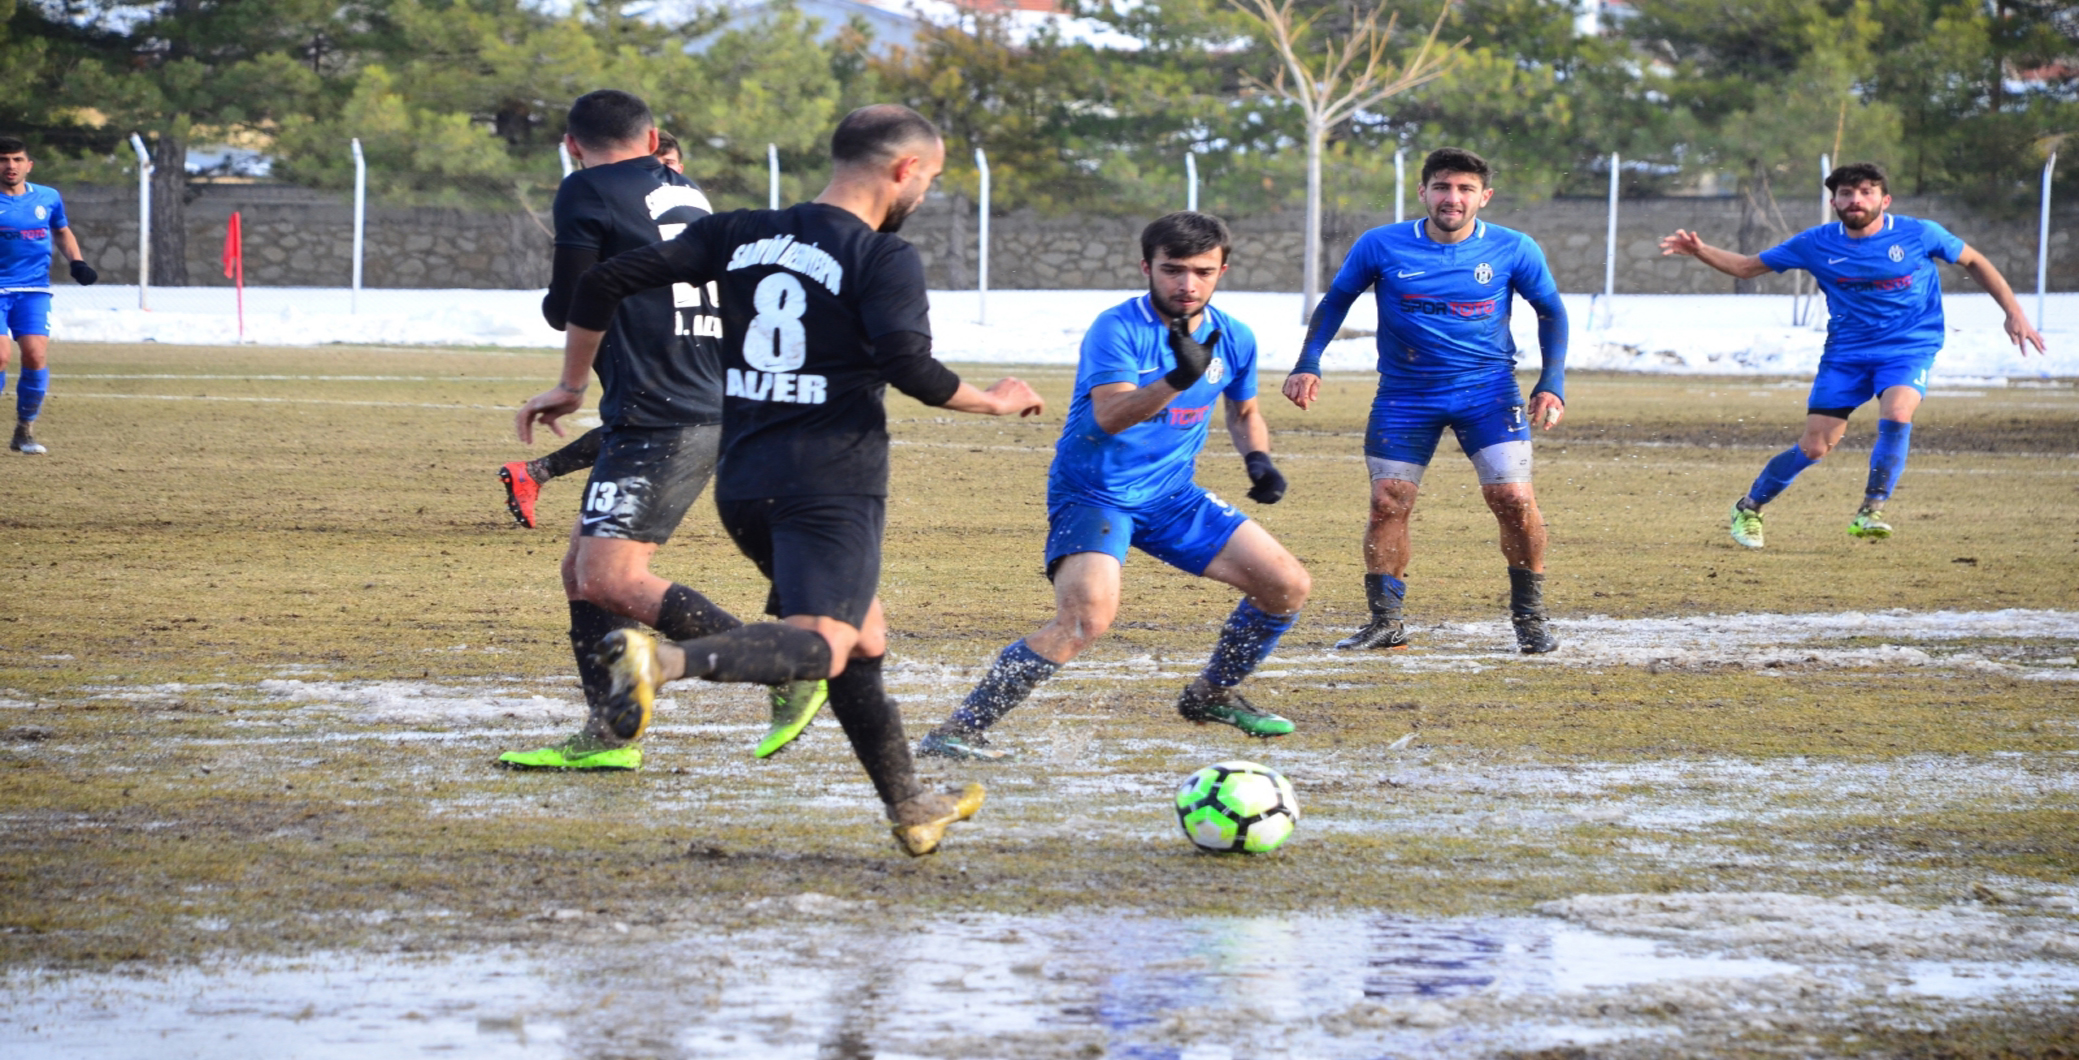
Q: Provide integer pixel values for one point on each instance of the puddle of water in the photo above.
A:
(819, 983)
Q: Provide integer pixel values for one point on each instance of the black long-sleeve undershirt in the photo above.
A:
(570, 264)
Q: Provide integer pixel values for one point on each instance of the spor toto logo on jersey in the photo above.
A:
(1483, 272)
(1898, 253)
(1216, 370)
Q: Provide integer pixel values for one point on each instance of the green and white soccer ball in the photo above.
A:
(1237, 808)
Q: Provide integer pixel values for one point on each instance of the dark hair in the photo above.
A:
(606, 118)
(10, 145)
(877, 134)
(668, 142)
(1455, 160)
(1185, 234)
(1858, 173)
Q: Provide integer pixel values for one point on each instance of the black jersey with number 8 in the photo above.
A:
(808, 295)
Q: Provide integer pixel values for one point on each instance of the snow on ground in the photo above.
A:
(1675, 334)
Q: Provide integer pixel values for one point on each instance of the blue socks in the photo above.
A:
(1887, 459)
(28, 393)
(1245, 641)
(1776, 475)
(1016, 672)
(1383, 594)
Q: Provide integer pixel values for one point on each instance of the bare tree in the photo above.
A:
(1342, 79)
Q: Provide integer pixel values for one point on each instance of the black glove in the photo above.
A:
(83, 274)
(1267, 485)
(1192, 356)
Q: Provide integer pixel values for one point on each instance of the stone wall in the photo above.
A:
(296, 237)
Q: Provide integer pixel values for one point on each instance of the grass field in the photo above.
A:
(264, 624)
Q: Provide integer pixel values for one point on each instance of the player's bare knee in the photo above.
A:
(1815, 448)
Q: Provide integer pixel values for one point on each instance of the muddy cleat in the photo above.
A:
(630, 658)
(1380, 632)
(931, 816)
(1532, 635)
(520, 492)
(1869, 523)
(25, 441)
(1203, 703)
(1746, 526)
(581, 752)
(794, 705)
(956, 743)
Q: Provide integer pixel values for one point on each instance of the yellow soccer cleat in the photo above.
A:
(923, 837)
(630, 657)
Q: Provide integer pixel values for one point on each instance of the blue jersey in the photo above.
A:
(26, 223)
(1881, 289)
(1444, 307)
(1129, 343)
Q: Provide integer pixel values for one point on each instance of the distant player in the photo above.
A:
(1152, 369)
(821, 312)
(32, 222)
(660, 366)
(1446, 359)
(1884, 304)
(523, 478)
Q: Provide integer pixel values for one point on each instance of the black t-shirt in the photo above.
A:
(818, 310)
(660, 364)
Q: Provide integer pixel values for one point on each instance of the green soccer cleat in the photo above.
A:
(630, 658)
(794, 705)
(1746, 526)
(581, 752)
(1869, 523)
(954, 743)
(1226, 706)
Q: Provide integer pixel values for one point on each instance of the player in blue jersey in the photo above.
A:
(1446, 359)
(32, 223)
(1885, 306)
(1151, 371)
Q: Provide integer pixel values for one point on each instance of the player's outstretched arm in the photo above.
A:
(1685, 243)
(1007, 397)
(2018, 328)
(580, 348)
(1303, 386)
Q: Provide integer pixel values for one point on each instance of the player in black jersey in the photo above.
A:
(523, 478)
(822, 310)
(660, 369)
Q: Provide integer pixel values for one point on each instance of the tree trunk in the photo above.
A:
(1317, 135)
(170, 210)
(1750, 220)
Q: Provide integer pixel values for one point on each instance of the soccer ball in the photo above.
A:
(1237, 808)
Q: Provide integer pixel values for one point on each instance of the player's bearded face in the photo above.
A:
(1181, 287)
(1454, 199)
(14, 169)
(929, 162)
(1860, 205)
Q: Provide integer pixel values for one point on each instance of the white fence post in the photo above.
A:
(1190, 181)
(1610, 237)
(144, 220)
(1400, 185)
(982, 243)
(2043, 241)
(563, 156)
(1805, 310)
(360, 222)
(772, 178)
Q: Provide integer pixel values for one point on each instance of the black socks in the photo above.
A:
(1526, 593)
(686, 614)
(768, 653)
(874, 725)
(577, 456)
(589, 624)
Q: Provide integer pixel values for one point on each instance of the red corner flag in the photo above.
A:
(234, 266)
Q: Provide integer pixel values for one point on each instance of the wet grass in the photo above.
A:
(186, 541)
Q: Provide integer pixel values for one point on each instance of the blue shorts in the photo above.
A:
(1486, 413)
(1844, 383)
(26, 312)
(1185, 529)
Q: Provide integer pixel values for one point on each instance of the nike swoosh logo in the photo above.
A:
(1151, 371)
(1405, 275)
(1835, 261)
(591, 519)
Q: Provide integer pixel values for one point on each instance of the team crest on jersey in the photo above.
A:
(1483, 272)
(1898, 253)
(1216, 370)
(42, 213)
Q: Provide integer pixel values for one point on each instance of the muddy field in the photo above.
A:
(264, 624)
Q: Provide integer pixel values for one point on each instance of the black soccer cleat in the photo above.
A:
(1380, 632)
(1533, 635)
